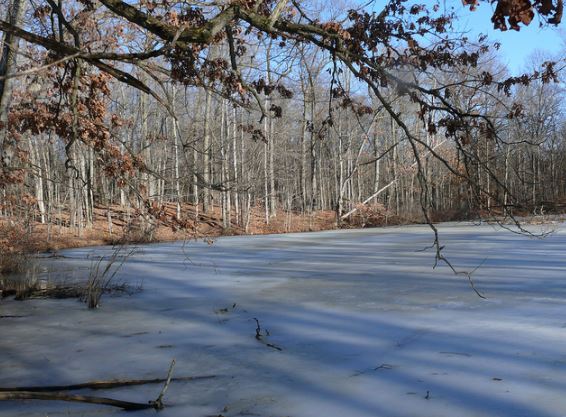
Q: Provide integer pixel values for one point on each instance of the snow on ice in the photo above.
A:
(366, 326)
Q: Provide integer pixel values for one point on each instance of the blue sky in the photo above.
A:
(517, 48)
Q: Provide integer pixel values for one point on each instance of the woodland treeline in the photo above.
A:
(262, 120)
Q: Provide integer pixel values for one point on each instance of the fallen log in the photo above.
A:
(157, 404)
(51, 292)
(61, 396)
(98, 385)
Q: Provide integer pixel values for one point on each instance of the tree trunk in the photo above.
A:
(8, 55)
(206, 154)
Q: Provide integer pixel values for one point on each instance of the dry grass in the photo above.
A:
(100, 280)
(15, 246)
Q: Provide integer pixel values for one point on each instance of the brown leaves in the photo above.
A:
(472, 3)
(551, 9)
(547, 75)
(487, 78)
(412, 44)
(512, 13)
(54, 115)
(41, 12)
(115, 163)
(257, 134)
(337, 28)
(516, 111)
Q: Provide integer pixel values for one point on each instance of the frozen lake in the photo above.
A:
(366, 327)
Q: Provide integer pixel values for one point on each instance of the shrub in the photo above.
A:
(100, 278)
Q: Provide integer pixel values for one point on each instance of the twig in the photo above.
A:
(257, 330)
(159, 401)
(259, 337)
(39, 69)
(274, 347)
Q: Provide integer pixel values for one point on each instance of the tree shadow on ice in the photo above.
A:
(348, 348)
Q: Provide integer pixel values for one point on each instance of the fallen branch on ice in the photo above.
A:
(54, 393)
(98, 385)
(61, 396)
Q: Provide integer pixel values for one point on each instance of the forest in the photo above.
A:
(144, 142)
(240, 113)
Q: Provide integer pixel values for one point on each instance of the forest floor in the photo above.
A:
(125, 227)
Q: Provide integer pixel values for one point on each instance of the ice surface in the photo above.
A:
(367, 327)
